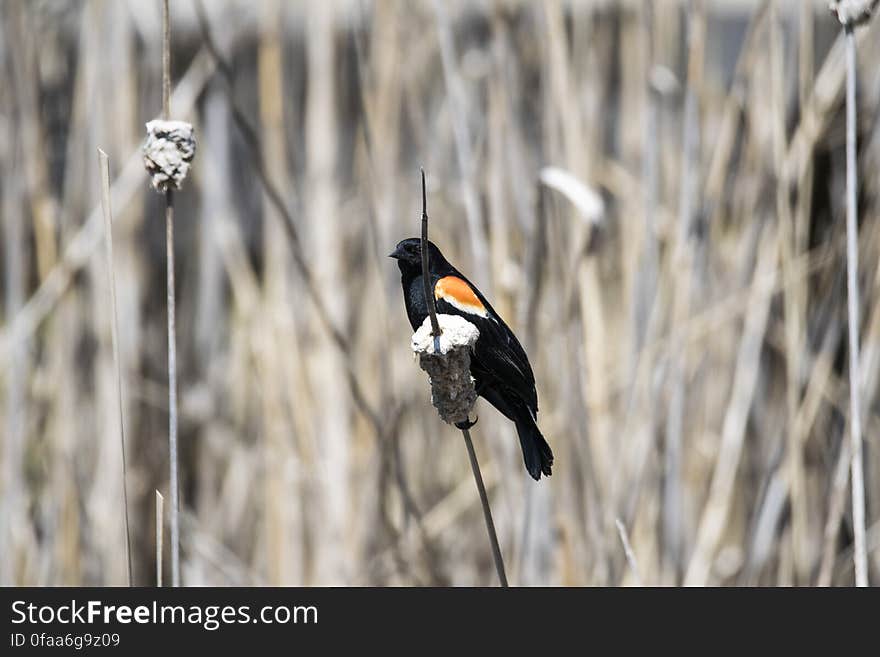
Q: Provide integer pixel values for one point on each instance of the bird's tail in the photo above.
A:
(537, 454)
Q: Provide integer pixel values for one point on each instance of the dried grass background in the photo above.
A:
(688, 336)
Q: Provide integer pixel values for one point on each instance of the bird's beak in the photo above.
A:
(397, 254)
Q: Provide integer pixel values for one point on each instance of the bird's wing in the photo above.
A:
(498, 353)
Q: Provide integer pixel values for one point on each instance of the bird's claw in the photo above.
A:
(466, 424)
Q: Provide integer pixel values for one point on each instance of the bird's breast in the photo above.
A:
(416, 308)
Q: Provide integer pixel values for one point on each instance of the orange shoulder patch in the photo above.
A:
(459, 294)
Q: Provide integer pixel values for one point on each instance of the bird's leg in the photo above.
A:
(467, 424)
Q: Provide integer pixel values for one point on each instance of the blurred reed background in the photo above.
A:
(652, 194)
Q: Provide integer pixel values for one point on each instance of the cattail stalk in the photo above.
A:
(852, 268)
(172, 331)
(465, 432)
(487, 511)
(426, 281)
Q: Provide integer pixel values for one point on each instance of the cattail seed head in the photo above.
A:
(168, 152)
(447, 360)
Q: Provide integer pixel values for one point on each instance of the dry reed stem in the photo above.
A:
(426, 278)
(716, 509)
(827, 94)
(818, 379)
(104, 165)
(272, 344)
(323, 235)
(160, 525)
(276, 198)
(578, 136)
(17, 367)
(801, 291)
(852, 286)
(685, 271)
(645, 284)
(170, 304)
(487, 512)
(793, 310)
(628, 551)
(806, 74)
(734, 105)
(463, 147)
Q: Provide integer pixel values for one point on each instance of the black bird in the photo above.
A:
(499, 365)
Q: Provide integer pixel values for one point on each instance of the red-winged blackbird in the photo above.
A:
(499, 365)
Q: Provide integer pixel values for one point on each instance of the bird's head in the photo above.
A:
(408, 254)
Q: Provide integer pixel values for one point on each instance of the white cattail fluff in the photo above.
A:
(168, 152)
(853, 12)
(448, 364)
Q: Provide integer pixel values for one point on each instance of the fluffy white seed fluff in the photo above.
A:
(168, 152)
(447, 360)
(853, 12)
